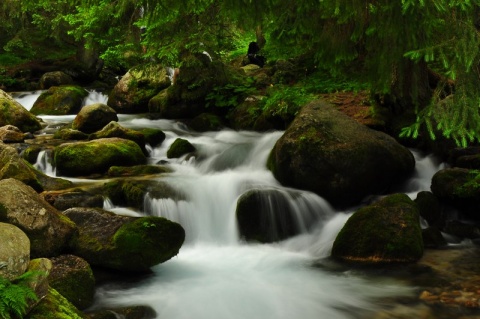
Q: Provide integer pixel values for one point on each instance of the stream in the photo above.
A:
(217, 275)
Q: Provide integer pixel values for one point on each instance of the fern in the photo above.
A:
(14, 295)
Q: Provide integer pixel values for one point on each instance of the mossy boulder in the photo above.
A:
(94, 117)
(14, 251)
(245, 115)
(132, 312)
(430, 209)
(97, 156)
(54, 78)
(55, 306)
(132, 93)
(124, 243)
(459, 187)
(73, 278)
(332, 155)
(48, 230)
(113, 129)
(387, 231)
(13, 113)
(153, 136)
(60, 100)
(179, 148)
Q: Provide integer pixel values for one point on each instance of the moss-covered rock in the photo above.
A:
(153, 137)
(179, 148)
(55, 306)
(73, 278)
(63, 200)
(13, 113)
(11, 134)
(94, 117)
(332, 155)
(137, 87)
(60, 100)
(133, 312)
(387, 231)
(97, 156)
(124, 243)
(113, 129)
(459, 187)
(48, 230)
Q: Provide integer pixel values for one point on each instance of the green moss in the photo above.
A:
(55, 306)
(179, 148)
(154, 137)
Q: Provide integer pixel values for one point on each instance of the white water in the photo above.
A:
(218, 276)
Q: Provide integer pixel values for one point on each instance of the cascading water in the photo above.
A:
(217, 274)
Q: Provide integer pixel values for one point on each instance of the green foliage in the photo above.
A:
(323, 81)
(14, 295)
(231, 94)
(285, 101)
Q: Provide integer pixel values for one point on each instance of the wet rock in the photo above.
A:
(462, 229)
(132, 93)
(73, 278)
(179, 148)
(63, 200)
(433, 238)
(430, 209)
(39, 270)
(94, 117)
(97, 156)
(139, 170)
(153, 137)
(133, 312)
(330, 154)
(113, 129)
(387, 231)
(60, 100)
(68, 134)
(48, 230)
(206, 122)
(14, 251)
(124, 243)
(15, 114)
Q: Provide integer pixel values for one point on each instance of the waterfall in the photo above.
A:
(44, 163)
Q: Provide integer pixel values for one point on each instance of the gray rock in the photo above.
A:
(14, 251)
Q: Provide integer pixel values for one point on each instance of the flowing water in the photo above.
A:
(217, 274)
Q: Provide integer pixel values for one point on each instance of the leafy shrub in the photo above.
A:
(285, 101)
(14, 295)
(231, 94)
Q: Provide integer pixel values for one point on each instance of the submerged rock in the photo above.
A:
(97, 156)
(124, 243)
(179, 148)
(387, 231)
(330, 154)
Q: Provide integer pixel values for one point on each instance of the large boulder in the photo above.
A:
(14, 251)
(73, 278)
(94, 117)
(54, 305)
(124, 243)
(48, 230)
(97, 156)
(330, 154)
(387, 231)
(12, 112)
(60, 100)
(137, 87)
(11, 134)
